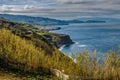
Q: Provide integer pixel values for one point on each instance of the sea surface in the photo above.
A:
(101, 37)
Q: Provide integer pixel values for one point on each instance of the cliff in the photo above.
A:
(59, 39)
(29, 55)
(31, 32)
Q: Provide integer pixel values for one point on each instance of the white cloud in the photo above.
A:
(62, 8)
(29, 7)
(10, 8)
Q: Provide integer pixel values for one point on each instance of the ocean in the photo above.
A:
(101, 37)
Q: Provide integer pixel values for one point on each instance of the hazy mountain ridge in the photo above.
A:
(100, 19)
(40, 21)
(34, 20)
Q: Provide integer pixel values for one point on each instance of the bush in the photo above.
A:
(20, 52)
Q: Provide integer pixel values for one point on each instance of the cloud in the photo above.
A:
(24, 9)
(65, 9)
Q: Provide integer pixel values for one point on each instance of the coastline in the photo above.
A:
(56, 39)
(49, 28)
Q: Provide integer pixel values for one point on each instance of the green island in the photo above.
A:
(27, 53)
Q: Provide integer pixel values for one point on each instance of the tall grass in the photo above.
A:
(17, 50)
(23, 51)
(108, 68)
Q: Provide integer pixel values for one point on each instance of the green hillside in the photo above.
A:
(25, 51)
(21, 54)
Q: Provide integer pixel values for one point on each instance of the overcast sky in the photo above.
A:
(62, 9)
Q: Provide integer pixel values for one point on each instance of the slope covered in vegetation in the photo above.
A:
(21, 54)
(36, 35)
(25, 49)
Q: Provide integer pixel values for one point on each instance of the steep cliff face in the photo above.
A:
(59, 39)
(30, 32)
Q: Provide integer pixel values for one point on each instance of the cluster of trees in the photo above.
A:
(20, 52)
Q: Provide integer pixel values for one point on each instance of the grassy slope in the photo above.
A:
(30, 59)
(21, 30)
(17, 54)
(28, 53)
(5, 75)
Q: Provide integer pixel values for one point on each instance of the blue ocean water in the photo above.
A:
(101, 37)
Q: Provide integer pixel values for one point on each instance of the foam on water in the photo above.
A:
(77, 43)
(81, 45)
(61, 48)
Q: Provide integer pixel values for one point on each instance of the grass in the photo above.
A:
(21, 54)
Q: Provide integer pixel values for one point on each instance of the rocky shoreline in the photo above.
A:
(56, 39)
(59, 39)
(29, 31)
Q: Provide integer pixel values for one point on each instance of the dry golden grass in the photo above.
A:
(19, 50)
(22, 51)
(6, 76)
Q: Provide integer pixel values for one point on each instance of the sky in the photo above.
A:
(62, 9)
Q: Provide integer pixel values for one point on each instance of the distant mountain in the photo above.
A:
(40, 21)
(99, 19)
(75, 21)
(95, 21)
(86, 21)
(34, 20)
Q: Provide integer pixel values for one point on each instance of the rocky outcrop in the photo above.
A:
(64, 76)
(30, 32)
(59, 39)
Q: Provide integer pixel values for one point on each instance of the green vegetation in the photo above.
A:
(26, 50)
(47, 39)
(21, 54)
(29, 32)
